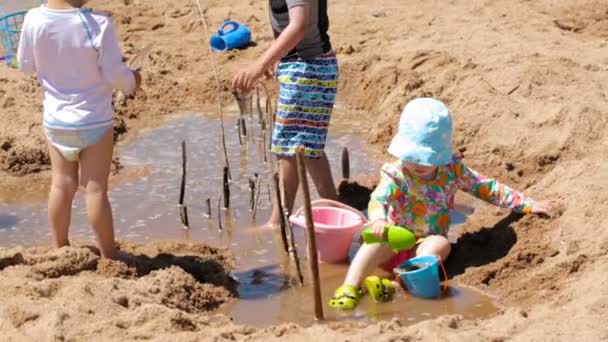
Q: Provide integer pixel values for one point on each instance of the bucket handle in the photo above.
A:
(445, 277)
(334, 204)
(232, 23)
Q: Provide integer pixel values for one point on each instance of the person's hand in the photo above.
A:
(378, 228)
(246, 79)
(137, 76)
(546, 208)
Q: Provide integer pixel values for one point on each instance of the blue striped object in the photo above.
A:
(307, 94)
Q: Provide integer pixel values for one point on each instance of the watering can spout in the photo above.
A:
(398, 238)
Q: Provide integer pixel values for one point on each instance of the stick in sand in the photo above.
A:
(258, 105)
(269, 193)
(208, 207)
(345, 164)
(293, 252)
(219, 213)
(238, 127)
(243, 126)
(251, 193)
(245, 104)
(277, 193)
(183, 214)
(226, 188)
(312, 242)
(269, 117)
(183, 211)
(217, 84)
(258, 187)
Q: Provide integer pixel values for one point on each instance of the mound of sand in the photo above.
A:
(527, 83)
(69, 293)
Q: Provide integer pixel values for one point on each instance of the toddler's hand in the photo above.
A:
(378, 228)
(545, 208)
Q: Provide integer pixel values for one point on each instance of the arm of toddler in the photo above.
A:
(491, 191)
(25, 52)
(381, 200)
(113, 69)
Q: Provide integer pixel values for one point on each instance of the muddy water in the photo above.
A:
(145, 210)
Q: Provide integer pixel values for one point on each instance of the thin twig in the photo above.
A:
(219, 213)
(208, 201)
(217, 83)
(238, 129)
(183, 211)
(182, 189)
(251, 193)
(277, 198)
(310, 228)
(293, 251)
(258, 186)
(183, 214)
(345, 164)
(243, 126)
(226, 188)
(258, 104)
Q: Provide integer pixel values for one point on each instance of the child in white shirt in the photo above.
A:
(75, 53)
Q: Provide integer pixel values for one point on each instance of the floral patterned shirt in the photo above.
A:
(424, 206)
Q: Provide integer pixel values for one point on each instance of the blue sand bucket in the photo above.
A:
(420, 275)
(10, 29)
(231, 35)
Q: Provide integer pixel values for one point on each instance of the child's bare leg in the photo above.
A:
(435, 245)
(95, 164)
(365, 261)
(64, 184)
(289, 169)
(320, 172)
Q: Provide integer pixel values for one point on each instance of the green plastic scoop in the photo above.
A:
(398, 238)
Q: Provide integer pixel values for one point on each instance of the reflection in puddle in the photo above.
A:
(145, 210)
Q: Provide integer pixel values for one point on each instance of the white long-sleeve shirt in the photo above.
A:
(76, 56)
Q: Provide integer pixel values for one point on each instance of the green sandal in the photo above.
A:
(381, 290)
(346, 297)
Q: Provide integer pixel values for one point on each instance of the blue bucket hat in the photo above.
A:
(425, 133)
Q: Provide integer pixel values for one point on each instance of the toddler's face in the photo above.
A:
(422, 171)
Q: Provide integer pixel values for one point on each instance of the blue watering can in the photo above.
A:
(231, 35)
(420, 275)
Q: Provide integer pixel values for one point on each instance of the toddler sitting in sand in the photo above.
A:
(417, 192)
(76, 55)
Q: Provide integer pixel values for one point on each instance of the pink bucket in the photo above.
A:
(334, 225)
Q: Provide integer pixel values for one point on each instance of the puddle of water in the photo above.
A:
(145, 210)
(267, 299)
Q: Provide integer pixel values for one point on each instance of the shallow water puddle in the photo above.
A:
(145, 210)
(267, 299)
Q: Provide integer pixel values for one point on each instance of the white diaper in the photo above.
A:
(71, 142)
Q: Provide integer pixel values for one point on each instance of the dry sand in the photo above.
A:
(527, 82)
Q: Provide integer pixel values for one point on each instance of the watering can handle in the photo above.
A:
(232, 23)
(335, 204)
